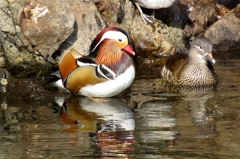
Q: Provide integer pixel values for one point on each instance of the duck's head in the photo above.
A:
(109, 45)
(201, 48)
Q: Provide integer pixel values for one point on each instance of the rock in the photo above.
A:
(222, 10)
(129, 13)
(153, 40)
(48, 25)
(31, 32)
(172, 16)
(156, 39)
(2, 58)
(224, 34)
(27, 89)
(87, 25)
(231, 4)
(203, 14)
(110, 10)
(21, 63)
(2, 62)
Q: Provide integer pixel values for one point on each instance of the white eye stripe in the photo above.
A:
(116, 35)
(79, 63)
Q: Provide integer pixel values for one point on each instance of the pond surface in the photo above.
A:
(167, 122)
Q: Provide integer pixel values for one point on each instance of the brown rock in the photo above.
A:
(222, 10)
(230, 4)
(87, 25)
(155, 40)
(30, 32)
(36, 28)
(111, 10)
(203, 14)
(27, 89)
(149, 40)
(46, 24)
(224, 34)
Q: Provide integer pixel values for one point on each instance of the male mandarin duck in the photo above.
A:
(194, 68)
(105, 72)
(151, 4)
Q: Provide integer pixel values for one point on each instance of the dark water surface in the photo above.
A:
(168, 122)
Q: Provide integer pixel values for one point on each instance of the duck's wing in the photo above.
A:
(86, 73)
(176, 63)
(82, 76)
(77, 71)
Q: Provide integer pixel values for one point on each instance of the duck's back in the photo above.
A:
(198, 75)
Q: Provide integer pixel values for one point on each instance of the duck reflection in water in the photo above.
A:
(111, 119)
(195, 101)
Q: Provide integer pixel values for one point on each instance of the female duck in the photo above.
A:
(194, 68)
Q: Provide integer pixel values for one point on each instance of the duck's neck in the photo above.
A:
(108, 54)
(196, 59)
(121, 66)
(113, 57)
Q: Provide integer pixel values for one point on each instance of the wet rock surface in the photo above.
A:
(30, 90)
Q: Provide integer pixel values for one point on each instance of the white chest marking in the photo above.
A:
(110, 88)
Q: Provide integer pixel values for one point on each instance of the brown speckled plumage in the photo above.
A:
(194, 68)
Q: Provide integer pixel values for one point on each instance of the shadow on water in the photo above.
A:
(160, 121)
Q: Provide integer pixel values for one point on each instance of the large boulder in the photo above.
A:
(30, 31)
(88, 23)
(225, 33)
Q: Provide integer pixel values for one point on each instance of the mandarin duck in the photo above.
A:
(151, 4)
(192, 69)
(105, 72)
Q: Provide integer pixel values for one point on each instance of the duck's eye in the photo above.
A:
(120, 40)
(201, 47)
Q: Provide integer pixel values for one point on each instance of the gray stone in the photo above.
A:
(6, 23)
